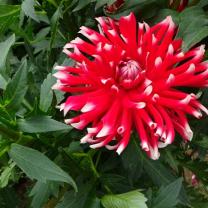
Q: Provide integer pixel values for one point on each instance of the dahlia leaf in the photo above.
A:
(42, 34)
(115, 182)
(54, 25)
(165, 12)
(53, 2)
(161, 175)
(193, 38)
(131, 4)
(81, 4)
(37, 166)
(42, 191)
(85, 162)
(40, 124)
(101, 3)
(28, 9)
(133, 161)
(202, 3)
(3, 82)
(196, 204)
(202, 143)
(192, 30)
(70, 201)
(85, 198)
(4, 49)
(166, 198)
(157, 172)
(8, 15)
(132, 199)
(6, 174)
(46, 93)
(16, 88)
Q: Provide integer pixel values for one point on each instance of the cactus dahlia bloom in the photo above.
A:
(128, 76)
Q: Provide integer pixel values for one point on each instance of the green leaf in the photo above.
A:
(84, 161)
(192, 30)
(4, 49)
(46, 93)
(3, 82)
(81, 4)
(132, 161)
(101, 3)
(195, 37)
(6, 174)
(83, 199)
(158, 172)
(54, 25)
(155, 169)
(115, 182)
(8, 15)
(196, 204)
(53, 2)
(132, 199)
(42, 191)
(202, 143)
(161, 175)
(163, 13)
(202, 3)
(37, 166)
(40, 124)
(168, 196)
(16, 88)
(28, 9)
(42, 34)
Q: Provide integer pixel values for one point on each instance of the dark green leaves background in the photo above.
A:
(42, 163)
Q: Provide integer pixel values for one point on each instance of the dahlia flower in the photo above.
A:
(128, 76)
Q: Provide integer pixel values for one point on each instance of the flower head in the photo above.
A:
(128, 76)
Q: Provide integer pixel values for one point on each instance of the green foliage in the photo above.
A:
(42, 163)
(132, 199)
(38, 124)
(42, 191)
(168, 196)
(16, 88)
(4, 49)
(6, 174)
(37, 166)
(28, 9)
(8, 15)
(46, 94)
(196, 30)
(83, 199)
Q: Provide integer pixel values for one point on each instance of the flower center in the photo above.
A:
(128, 72)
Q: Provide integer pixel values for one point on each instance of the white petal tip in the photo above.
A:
(87, 107)
(140, 105)
(104, 131)
(78, 125)
(120, 149)
(59, 67)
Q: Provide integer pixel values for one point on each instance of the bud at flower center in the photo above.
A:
(128, 71)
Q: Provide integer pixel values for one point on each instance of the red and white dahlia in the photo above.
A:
(127, 75)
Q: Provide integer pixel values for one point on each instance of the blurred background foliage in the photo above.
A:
(42, 163)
